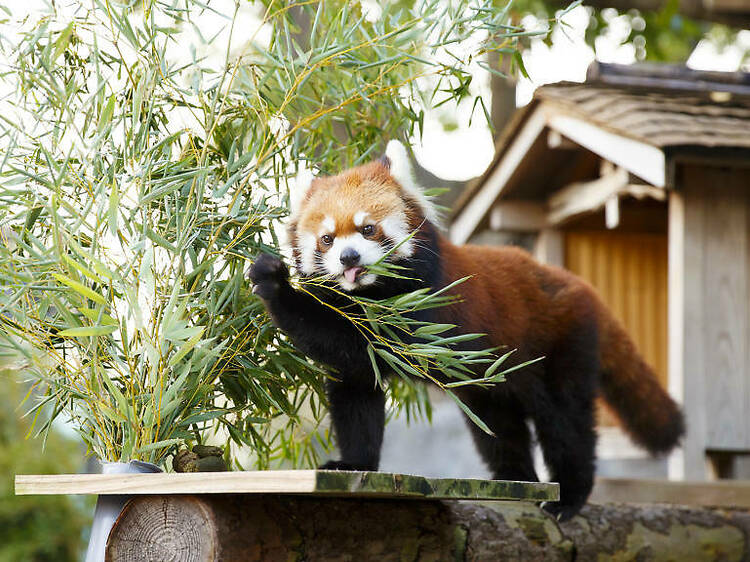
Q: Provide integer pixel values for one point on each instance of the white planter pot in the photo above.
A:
(108, 507)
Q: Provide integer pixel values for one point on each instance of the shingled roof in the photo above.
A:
(639, 117)
(662, 106)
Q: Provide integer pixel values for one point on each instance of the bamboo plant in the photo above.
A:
(145, 153)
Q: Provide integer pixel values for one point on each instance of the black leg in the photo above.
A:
(508, 454)
(564, 420)
(358, 416)
(315, 329)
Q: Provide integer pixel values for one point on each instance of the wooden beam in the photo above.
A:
(556, 141)
(316, 482)
(612, 212)
(727, 493)
(518, 216)
(584, 197)
(467, 221)
(644, 160)
(550, 247)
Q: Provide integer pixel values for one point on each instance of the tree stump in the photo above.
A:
(165, 528)
(270, 527)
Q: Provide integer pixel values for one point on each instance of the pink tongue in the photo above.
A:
(351, 274)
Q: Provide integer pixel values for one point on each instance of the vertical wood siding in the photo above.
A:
(629, 270)
(717, 209)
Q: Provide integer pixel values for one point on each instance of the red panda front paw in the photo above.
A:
(267, 273)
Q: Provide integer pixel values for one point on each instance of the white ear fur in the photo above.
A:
(401, 171)
(299, 187)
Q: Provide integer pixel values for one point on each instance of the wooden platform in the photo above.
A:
(723, 493)
(314, 482)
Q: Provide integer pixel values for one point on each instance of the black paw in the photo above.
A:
(561, 511)
(268, 273)
(340, 465)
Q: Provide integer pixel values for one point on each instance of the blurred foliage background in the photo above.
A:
(36, 528)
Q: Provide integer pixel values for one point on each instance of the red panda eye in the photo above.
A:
(368, 230)
(327, 239)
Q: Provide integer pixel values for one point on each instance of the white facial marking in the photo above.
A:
(327, 226)
(359, 217)
(308, 244)
(299, 187)
(395, 228)
(401, 171)
(369, 251)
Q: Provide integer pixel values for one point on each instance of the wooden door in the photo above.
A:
(629, 270)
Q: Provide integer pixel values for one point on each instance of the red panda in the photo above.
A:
(342, 224)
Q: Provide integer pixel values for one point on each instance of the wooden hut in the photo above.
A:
(639, 181)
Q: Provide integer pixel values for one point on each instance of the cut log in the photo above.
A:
(272, 527)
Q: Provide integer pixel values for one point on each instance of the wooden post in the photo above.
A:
(550, 247)
(686, 363)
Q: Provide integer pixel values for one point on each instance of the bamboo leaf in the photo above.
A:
(80, 288)
(471, 415)
(186, 348)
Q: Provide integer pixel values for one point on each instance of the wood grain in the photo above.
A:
(321, 482)
(726, 493)
(725, 297)
(265, 528)
(687, 382)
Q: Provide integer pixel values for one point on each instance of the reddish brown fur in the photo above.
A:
(368, 187)
(542, 311)
(519, 302)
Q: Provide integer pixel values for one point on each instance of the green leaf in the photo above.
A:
(186, 347)
(114, 201)
(79, 288)
(62, 41)
(97, 316)
(431, 329)
(471, 415)
(106, 116)
(88, 331)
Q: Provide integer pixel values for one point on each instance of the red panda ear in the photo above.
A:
(385, 161)
(400, 169)
(300, 187)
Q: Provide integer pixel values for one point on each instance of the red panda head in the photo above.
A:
(346, 222)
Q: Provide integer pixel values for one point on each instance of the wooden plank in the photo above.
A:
(726, 493)
(687, 382)
(585, 197)
(518, 216)
(318, 482)
(473, 213)
(629, 272)
(550, 247)
(643, 160)
(725, 299)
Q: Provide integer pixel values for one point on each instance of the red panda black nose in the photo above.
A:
(349, 257)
